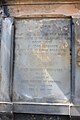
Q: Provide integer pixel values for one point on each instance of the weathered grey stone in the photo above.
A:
(77, 61)
(42, 60)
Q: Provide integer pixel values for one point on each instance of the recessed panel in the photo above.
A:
(42, 60)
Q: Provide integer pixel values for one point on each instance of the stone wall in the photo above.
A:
(47, 8)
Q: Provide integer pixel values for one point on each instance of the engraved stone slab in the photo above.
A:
(42, 60)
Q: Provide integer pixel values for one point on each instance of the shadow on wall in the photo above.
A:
(40, 117)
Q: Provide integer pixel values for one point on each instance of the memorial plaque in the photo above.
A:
(42, 60)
